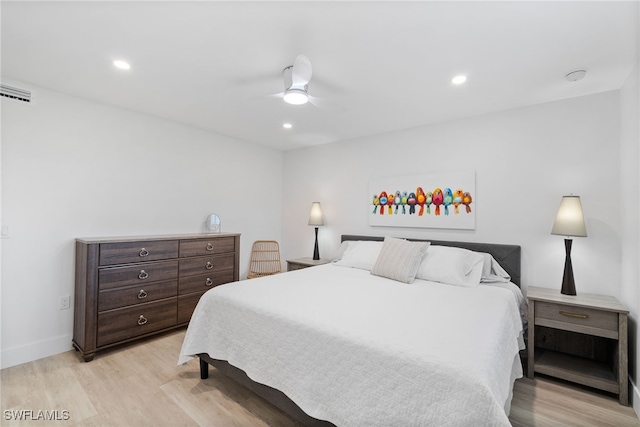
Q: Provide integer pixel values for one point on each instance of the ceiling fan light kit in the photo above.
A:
(296, 96)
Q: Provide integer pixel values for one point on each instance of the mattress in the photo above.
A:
(357, 349)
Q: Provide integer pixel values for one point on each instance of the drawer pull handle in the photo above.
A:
(209, 266)
(209, 246)
(142, 320)
(209, 282)
(142, 294)
(143, 275)
(143, 252)
(579, 316)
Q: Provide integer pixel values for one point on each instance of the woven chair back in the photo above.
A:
(265, 259)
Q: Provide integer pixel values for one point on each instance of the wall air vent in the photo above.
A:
(16, 94)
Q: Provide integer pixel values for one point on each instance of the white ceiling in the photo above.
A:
(378, 66)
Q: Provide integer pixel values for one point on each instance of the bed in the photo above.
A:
(338, 345)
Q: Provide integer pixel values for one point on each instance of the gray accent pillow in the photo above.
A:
(399, 259)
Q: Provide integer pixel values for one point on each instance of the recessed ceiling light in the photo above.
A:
(287, 125)
(121, 64)
(458, 80)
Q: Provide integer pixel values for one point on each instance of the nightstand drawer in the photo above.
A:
(577, 319)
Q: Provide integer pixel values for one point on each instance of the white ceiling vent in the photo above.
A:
(15, 93)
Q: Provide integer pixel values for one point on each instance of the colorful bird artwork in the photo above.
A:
(395, 202)
(411, 201)
(466, 201)
(390, 200)
(429, 201)
(457, 200)
(383, 201)
(438, 199)
(421, 200)
(448, 199)
(404, 201)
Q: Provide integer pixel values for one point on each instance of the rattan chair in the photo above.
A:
(265, 259)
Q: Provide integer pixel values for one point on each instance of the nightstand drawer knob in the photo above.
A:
(142, 320)
(579, 316)
(143, 275)
(209, 247)
(209, 282)
(142, 294)
(143, 252)
(209, 266)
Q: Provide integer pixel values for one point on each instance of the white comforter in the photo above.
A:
(360, 350)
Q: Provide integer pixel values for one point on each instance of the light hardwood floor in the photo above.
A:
(140, 385)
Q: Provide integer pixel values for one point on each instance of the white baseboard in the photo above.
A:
(18, 355)
(635, 398)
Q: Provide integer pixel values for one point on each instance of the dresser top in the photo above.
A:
(115, 239)
(602, 302)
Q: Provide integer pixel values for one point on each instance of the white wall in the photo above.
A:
(525, 160)
(630, 218)
(73, 168)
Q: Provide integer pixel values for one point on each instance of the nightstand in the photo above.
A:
(299, 263)
(580, 338)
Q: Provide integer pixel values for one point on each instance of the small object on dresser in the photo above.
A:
(212, 224)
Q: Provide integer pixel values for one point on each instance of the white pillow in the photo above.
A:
(360, 254)
(399, 259)
(492, 271)
(340, 251)
(454, 266)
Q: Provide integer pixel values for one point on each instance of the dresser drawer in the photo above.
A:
(130, 252)
(186, 305)
(206, 246)
(140, 274)
(124, 323)
(577, 319)
(211, 264)
(203, 282)
(131, 295)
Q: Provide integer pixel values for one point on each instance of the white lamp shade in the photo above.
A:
(569, 221)
(315, 216)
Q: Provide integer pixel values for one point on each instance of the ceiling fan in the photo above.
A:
(296, 81)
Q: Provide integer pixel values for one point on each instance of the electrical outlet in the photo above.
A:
(65, 302)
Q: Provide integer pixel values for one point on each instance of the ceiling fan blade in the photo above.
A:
(301, 73)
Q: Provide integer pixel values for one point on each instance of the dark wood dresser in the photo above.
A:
(132, 287)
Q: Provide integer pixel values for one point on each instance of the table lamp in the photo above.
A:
(569, 222)
(316, 219)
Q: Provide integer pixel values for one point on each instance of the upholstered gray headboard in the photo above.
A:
(507, 255)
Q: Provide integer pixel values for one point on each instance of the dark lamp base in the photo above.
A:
(568, 284)
(316, 252)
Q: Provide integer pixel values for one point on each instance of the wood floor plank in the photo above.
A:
(140, 385)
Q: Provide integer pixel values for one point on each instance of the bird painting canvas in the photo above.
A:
(446, 192)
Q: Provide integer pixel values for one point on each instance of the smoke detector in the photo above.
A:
(576, 75)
